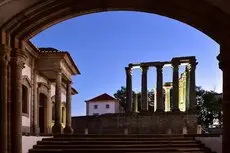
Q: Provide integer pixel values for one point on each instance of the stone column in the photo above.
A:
(159, 88)
(136, 103)
(187, 87)
(35, 102)
(155, 99)
(48, 111)
(9, 100)
(224, 64)
(175, 65)
(17, 64)
(167, 98)
(128, 89)
(68, 129)
(57, 128)
(4, 59)
(192, 85)
(144, 89)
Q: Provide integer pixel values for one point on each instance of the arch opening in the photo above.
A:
(42, 15)
(42, 116)
(206, 21)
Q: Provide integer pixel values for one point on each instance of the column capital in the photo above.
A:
(159, 67)
(175, 63)
(18, 56)
(187, 68)
(128, 70)
(144, 68)
(5, 53)
(167, 88)
(223, 59)
(192, 65)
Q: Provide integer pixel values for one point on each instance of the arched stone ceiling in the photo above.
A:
(40, 15)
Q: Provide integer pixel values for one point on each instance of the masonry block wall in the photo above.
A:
(136, 123)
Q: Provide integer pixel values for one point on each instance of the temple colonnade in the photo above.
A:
(175, 63)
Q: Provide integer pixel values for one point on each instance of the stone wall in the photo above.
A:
(214, 142)
(136, 123)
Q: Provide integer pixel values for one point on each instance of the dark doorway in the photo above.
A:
(42, 102)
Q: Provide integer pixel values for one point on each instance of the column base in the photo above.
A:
(175, 110)
(193, 111)
(48, 130)
(159, 111)
(129, 112)
(143, 111)
(68, 130)
(35, 130)
(57, 129)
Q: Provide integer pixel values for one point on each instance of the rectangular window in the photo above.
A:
(63, 115)
(24, 99)
(95, 106)
(53, 111)
(107, 106)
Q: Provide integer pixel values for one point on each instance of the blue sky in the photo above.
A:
(102, 44)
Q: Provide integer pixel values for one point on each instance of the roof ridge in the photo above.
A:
(101, 97)
(50, 50)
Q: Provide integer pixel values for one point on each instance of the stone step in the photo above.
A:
(115, 138)
(118, 142)
(126, 136)
(122, 135)
(122, 150)
(178, 146)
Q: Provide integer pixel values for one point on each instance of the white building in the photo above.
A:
(102, 104)
(39, 84)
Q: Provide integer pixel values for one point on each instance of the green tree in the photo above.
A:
(120, 95)
(210, 107)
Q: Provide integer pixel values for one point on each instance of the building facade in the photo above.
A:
(47, 90)
(102, 104)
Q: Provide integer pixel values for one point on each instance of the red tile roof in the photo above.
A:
(102, 97)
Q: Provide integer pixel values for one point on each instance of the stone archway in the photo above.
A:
(43, 108)
(22, 19)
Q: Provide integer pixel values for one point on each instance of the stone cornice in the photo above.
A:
(31, 49)
(174, 61)
(71, 64)
(62, 55)
(40, 84)
(74, 91)
(26, 78)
